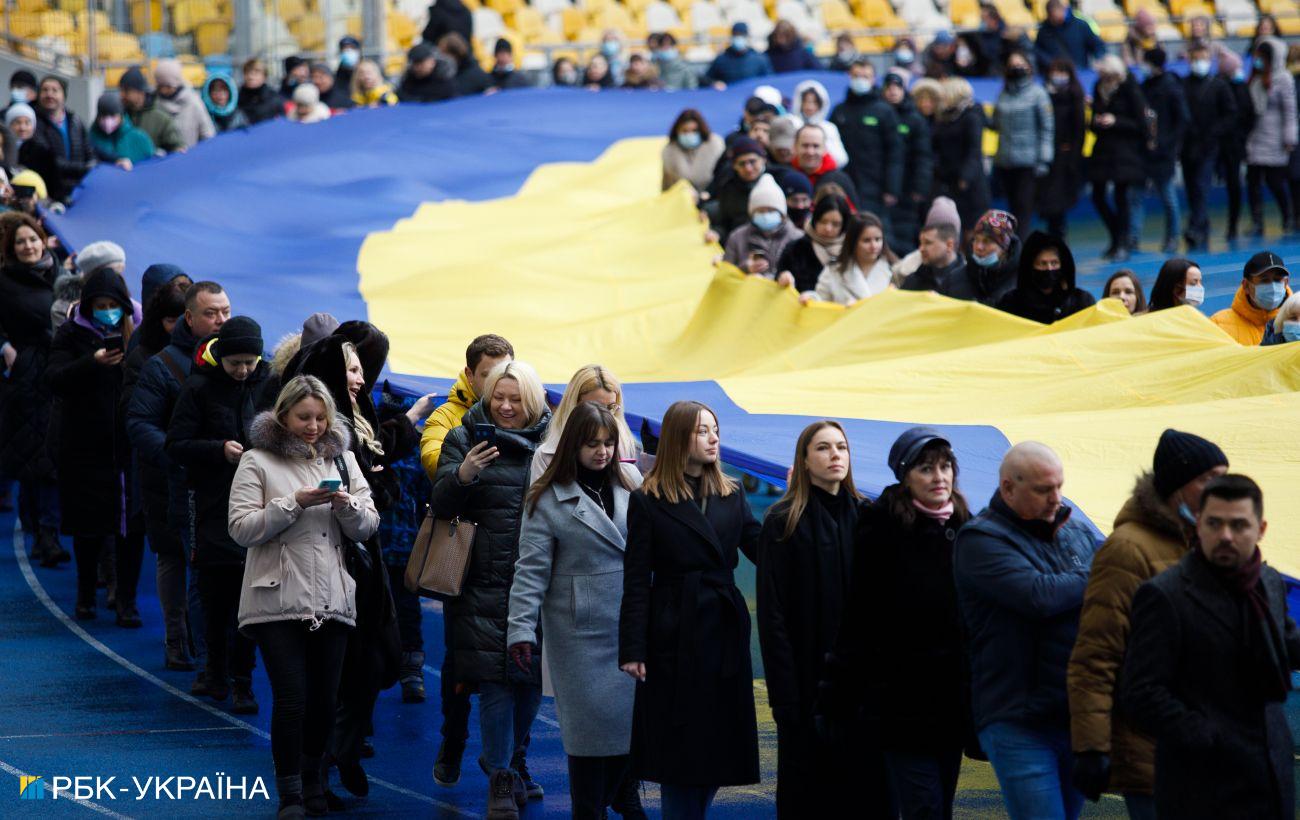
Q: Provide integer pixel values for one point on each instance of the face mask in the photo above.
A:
(109, 124)
(1047, 279)
(689, 140)
(108, 318)
(1060, 80)
(666, 54)
(1258, 63)
(740, 42)
(1270, 295)
(861, 85)
(567, 77)
(767, 220)
(1194, 295)
(609, 48)
(17, 95)
(349, 57)
(985, 261)
(1201, 68)
(1185, 513)
(1017, 73)
(1239, 76)
(904, 56)
(799, 216)
(1291, 331)
(963, 55)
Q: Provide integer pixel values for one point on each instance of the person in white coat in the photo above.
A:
(863, 269)
(812, 106)
(570, 568)
(297, 500)
(179, 99)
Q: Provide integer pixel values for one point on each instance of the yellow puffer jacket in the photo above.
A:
(381, 96)
(1243, 321)
(442, 421)
(1148, 539)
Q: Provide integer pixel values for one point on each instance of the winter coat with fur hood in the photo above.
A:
(295, 568)
(1148, 539)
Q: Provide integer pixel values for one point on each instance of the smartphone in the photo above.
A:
(485, 432)
(331, 484)
(113, 342)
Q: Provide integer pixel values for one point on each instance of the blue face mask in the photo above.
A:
(767, 220)
(1258, 63)
(609, 48)
(108, 318)
(1239, 76)
(861, 85)
(689, 140)
(349, 57)
(1291, 331)
(665, 54)
(1270, 295)
(1185, 513)
(985, 261)
(1200, 68)
(740, 42)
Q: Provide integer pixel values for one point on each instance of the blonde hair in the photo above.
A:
(358, 93)
(667, 478)
(531, 392)
(954, 92)
(360, 425)
(585, 380)
(298, 389)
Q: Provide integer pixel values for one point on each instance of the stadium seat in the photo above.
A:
(705, 15)
(660, 16)
(488, 24)
(146, 15)
(212, 37)
(157, 45)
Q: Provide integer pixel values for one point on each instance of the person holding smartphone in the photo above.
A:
(85, 376)
(482, 475)
(297, 600)
(207, 436)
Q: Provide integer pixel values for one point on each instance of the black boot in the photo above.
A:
(627, 803)
(446, 769)
(289, 790)
(48, 548)
(412, 677)
(244, 703)
(313, 787)
(520, 764)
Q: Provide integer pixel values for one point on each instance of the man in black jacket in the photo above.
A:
(940, 260)
(60, 150)
(918, 164)
(1164, 93)
(1212, 110)
(869, 130)
(729, 208)
(1209, 666)
(334, 94)
(470, 77)
(427, 78)
(1045, 290)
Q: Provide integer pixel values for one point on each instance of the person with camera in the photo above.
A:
(90, 450)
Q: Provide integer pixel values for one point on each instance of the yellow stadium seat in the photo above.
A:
(572, 22)
(402, 29)
(55, 24)
(527, 21)
(32, 6)
(1114, 32)
(505, 6)
(837, 15)
(961, 9)
(73, 6)
(212, 37)
(352, 25)
(189, 13)
(1289, 25)
(147, 15)
(100, 18)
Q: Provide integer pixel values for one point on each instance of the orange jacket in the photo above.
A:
(1243, 321)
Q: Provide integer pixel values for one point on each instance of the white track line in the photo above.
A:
(20, 553)
(124, 732)
(83, 803)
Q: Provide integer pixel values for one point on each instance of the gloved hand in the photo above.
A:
(1091, 774)
(522, 655)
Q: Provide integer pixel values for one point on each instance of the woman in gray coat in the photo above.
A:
(1269, 146)
(1026, 129)
(570, 567)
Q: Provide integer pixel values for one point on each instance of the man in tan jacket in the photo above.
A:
(1152, 532)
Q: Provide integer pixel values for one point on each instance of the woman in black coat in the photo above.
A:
(1119, 121)
(684, 626)
(1059, 191)
(958, 139)
(803, 259)
(26, 296)
(208, 433)
(482, 479)
(805, 560)
(90, 446)
(907, 682)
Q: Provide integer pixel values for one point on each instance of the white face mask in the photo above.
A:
(1194, 295)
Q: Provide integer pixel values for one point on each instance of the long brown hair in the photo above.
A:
(585, 422)
(900, 501)
(795, 500)
(853, 233)
(667, 478)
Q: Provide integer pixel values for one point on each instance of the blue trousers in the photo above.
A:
(505, 714)
(1034, 768)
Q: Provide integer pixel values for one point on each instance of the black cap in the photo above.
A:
(747, 145)
(894, 78)
(1263, 262)
(909, 446)
(22, 77)
(293, 61)
(109, 105)
(239, 336)
(348, 41)
(420, 52)
(503, 45)
(1156, 57)
(1181, 457)
(133, 80)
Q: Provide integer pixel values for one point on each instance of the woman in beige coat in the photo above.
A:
(297, 500)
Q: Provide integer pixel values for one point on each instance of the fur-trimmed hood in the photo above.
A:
(1146, 508)
(284, 353)
(267, 434)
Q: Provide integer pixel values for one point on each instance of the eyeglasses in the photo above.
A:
(613, 408)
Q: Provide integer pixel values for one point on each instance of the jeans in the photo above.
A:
(304, 668)
(594, 782)
(686, 802)
(1169, 200)
(1116, 219)
(194, 605)
(130, 555)
(1198, 176)
(1258, 176)
(506, 712)
(1137, 195)
(408, 611)
(1034, 770)
(924, 784)
(230, 652)
(1021, 187)
(1140, 806)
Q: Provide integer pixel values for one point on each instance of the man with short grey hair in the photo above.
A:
(1021, 567)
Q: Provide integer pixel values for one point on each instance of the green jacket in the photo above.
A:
(159, 126)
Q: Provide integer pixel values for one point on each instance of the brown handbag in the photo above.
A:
(440, 557)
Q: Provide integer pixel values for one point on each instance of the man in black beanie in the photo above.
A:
(1153, 531)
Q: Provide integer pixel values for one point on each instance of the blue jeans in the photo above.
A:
(1140, 806)
(505, 714)
(1169, 199)
(686, 802)
(1034, 770)
(194, 602)
(1198, 176)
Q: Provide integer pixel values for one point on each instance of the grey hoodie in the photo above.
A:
(1275, 112)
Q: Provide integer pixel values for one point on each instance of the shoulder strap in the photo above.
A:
(342, 467)
(171, 365)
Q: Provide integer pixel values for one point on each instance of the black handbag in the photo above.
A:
(356, 558)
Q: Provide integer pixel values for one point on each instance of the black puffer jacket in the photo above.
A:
(987, 285)
(1028, 301)
(869, 129)
(494, 501)
(26, 295)
(1119, 153)
(212, 409)
(259, 104)
(61, 166)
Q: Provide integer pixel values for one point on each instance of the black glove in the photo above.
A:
(1091, 774)
(649, 441)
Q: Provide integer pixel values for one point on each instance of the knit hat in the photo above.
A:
(503, 47)
(909, 446)
(306, 94)
(766, 194)
(317, 327)
(896, 76)
(110, 105)
(104, 282)
(239, 336)
(420, 52)
(30, 179)
(133, 80)
(19, 110)
(944, 37)
(22, 78)
(741, 28)
(943, 212)
(348, 41)
(796, 182)
(290, 63)
(168, 72)
(1181, 457)
(999, 226)
(781, 134)
(98, 254)
(746, 145)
